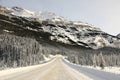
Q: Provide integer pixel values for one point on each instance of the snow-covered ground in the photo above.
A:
(115, 70)
(13, 70)
(20, 69)
(53, 70)
(95, 74)
(50, 57)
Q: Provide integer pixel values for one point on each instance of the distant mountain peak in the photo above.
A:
(118, 35)
(17, 8)
(18, 11)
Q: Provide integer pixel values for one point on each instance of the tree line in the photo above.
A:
(16, 51)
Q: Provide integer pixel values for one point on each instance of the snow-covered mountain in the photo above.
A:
(80, 34)
(18, 11)
(21, 12)
(118, 35)
(60, 29)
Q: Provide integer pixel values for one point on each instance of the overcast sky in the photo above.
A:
(104, 14)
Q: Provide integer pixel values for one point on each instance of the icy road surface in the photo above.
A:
(53, 70)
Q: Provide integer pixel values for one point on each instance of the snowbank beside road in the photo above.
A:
(115, 70)
(27, 68)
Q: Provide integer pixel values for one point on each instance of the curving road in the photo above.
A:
(53, 70)
(56, 69)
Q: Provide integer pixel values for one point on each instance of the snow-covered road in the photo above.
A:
(56, 69)
(94, 74)
(53, 70)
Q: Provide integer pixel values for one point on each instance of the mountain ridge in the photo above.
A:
(27, 41)
(59, 29)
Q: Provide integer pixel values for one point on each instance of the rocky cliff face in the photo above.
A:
(55, 28)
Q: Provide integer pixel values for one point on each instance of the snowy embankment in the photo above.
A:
(49, 58)
(27, 68)
(115, 70)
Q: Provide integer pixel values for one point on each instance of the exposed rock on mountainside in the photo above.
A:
(118, 35)
(41, 33)
(58, 28)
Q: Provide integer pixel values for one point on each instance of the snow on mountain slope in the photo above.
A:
(21, 12)
(85, 35)
(51, 16)
(18, 11)
(118, 35)
(65, 31)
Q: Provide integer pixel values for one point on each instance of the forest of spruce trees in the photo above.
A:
(16, 51)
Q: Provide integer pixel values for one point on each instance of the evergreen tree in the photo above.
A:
(102, 61)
